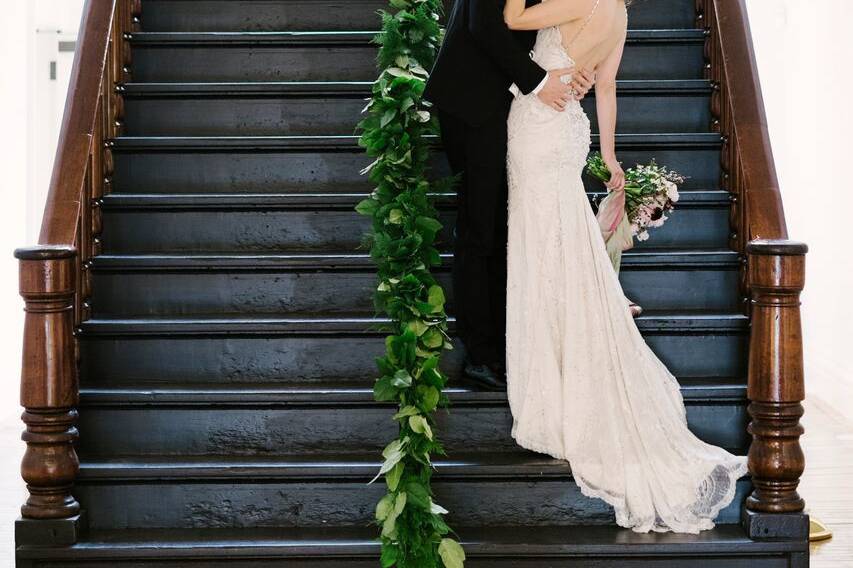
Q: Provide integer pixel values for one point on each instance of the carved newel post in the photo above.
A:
(49, 391)
(776, 389)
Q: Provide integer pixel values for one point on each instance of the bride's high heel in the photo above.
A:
(636, 309)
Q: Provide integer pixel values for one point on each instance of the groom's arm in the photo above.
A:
(486, 24)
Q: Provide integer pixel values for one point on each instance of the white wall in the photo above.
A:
(19, 22)
(803, 53)
(22, 22)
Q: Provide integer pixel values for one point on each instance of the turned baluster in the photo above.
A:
(49, 390)
(776, 385)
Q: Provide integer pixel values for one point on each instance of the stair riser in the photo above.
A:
(219, 560)
(225, 505)
(335, 172)
(334, 293)
(216, 63)
(240, 360)
(277, 116)
(324, 430)
(313, 15)
(252, 231)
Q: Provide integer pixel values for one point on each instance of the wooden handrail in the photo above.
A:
(765, 213)
(772, 276)
(55, 280)
(62, 209)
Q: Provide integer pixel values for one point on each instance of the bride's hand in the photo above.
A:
(617, 175)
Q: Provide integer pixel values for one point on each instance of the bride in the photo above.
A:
(583, 386)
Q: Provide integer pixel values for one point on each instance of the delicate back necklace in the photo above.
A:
(584, 25)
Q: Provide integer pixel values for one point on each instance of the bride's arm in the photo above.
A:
(605, 107)
(544, 15)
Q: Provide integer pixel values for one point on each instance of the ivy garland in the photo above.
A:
(397, 133)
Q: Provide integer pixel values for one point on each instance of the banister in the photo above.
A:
(772, 276)
(55, 280)
(65, 196)
(765, 217)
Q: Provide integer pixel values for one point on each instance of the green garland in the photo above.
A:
(397, 132)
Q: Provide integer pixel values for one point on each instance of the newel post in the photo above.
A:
(49, 394)
(776, 389)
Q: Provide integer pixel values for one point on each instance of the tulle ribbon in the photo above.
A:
(615, 227)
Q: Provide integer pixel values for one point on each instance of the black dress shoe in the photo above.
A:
(485, 376)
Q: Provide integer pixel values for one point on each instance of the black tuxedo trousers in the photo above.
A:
(478, 155)
(469, 86)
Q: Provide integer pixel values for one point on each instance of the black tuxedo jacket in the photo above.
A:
(478, 61)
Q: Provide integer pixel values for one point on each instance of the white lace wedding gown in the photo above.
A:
(583, 385)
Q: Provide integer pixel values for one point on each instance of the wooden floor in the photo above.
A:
(828, 483)
(829, 468)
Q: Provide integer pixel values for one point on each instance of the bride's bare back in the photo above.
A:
(589, 46)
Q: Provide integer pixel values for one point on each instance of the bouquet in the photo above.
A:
(651, 192)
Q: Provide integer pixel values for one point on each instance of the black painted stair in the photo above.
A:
(226, 408)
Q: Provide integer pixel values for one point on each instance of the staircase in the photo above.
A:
(224, 321)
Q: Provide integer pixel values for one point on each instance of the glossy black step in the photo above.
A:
(259, 109)
(217, 224)
(277, 15)
(248, 351)
(305, 421)
(725, 546)
(152, 285)
(350, 56)
(333, 164)
(495, 489)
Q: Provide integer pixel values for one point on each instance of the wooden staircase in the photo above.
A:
(199, 307)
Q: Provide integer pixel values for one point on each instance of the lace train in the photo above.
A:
(583, 385)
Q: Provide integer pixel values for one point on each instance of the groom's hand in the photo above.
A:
(582, 82)
(555, 93)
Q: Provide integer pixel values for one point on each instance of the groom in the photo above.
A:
(469, 87)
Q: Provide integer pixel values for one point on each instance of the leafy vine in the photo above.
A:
(397, 133)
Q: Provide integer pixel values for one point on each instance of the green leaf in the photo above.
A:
(402, 379)
(367, 206)
(407, 411)
(420, 425)
(418, 495)
(392, 478)
(389, 555)
(387, 117)
(418, 326)
(395, 217)
(451, 552)
(433, 338)
(428, 224)
(400, 502)
(436, 298)
(394, 448)
(384, 507)
(384, 389)
(429, 397)
(437, 509)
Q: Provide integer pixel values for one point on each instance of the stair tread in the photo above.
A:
(357, 466)
(354, 38)
(344, 201)
(350, 142)
(357, 541)
(338, 392)
(362, 88)
(683, 320)
(363, 262)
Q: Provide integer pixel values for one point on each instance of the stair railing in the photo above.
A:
(55, 279)
(773, 272)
